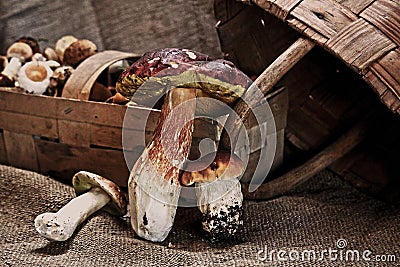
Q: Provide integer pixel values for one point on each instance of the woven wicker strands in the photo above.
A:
(365, 34)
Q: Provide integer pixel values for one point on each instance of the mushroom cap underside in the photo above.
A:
(83, 181)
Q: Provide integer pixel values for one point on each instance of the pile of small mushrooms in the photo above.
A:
(28, 68)
(157, 177)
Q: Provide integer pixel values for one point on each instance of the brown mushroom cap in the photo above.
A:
(152, 63)
(78, 51)
(20, 50)
(204, 171)
(32, 42)
(83, 181)
(62, 44)
(218, 79)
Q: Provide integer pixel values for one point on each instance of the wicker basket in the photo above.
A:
(328, 54)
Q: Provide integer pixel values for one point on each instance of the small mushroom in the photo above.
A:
(62, 44)
(218, 192)
(32, 42)
(34, 76)
(50, 54)
(20, 50)
(58, 80)
(78, 51)
(17, 54)
(94, 192)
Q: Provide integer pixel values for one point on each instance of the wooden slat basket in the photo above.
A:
(61, 136)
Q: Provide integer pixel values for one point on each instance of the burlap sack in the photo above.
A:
(322, 214)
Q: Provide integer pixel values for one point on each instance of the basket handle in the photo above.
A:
(81, 81)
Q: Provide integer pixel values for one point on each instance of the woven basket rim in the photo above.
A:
(365, 35)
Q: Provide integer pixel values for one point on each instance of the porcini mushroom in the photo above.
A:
(218, 192)
(34, 76)
(50, 54)
(153, 185)
(94, 192)
(63, 43)
(183, 69)
(78, 51)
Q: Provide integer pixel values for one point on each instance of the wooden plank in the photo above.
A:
(28, 124)
(254, 30)
(356, 6)
(326, 17)
(91, 112)
(3, 152)
(74, 133)
(21, 151)
(360, 44)
(384, 14)
(63, 161)
(224, 10)
(40, 105)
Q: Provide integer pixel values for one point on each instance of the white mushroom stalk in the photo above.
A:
(95, 192)
(221, 204)
(61, 225)
(34, 76)
(218, 192)
(12, 68)
(17, 54)
(154, 186)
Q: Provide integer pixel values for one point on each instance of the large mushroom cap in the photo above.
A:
(170, 68)
(218, 79)
(152, 63)
(83, 181)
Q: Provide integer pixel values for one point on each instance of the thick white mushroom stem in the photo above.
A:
(153, 184)
(61, 225)
(221, 204)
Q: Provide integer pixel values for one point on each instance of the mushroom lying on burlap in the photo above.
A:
(94, 192)
(154, 181)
